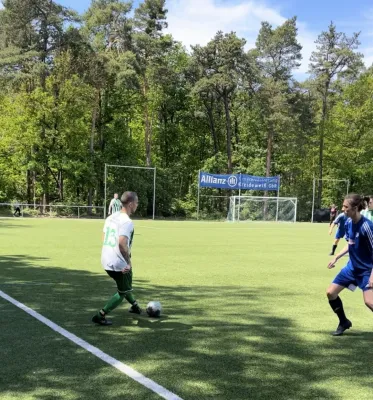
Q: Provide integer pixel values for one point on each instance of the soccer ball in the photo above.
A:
(154, 309)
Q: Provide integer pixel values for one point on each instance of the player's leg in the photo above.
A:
(124, 286)
(128, 293)
(118, 297)
(368, 298)
(367, 291)
(336, 241)
(344, 279)
(114, 301)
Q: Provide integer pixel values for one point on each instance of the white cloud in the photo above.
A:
(197, 21)
(368, 56)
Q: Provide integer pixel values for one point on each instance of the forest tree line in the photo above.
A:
(110, 86)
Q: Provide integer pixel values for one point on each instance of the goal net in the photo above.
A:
(256, 208)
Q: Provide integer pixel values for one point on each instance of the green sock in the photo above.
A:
(113, 303)
(129, 297)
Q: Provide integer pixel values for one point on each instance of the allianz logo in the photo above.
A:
(232, 180)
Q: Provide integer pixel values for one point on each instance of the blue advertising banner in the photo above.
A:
(249, 182)
(218, 181)
(238, 181)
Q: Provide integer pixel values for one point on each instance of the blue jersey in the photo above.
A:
(341, 221)
(360, 244)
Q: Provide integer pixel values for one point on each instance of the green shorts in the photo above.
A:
(123, 281)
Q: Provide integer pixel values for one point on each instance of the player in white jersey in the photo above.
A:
(115, 205)
(116, 256)
(368, 212)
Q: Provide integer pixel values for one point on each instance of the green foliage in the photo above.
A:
(112, 87)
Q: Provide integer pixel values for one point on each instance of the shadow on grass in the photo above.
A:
(212, 342)
(6, 224)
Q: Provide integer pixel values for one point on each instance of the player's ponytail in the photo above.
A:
(356, 201)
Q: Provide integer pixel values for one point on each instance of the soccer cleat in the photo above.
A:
(342, 327)
(331, 254)
(97, 319)
(135, 309)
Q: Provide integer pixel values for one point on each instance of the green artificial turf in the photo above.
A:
(245, 313)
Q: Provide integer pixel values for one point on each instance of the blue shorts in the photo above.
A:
(340, 234)
(348, 276)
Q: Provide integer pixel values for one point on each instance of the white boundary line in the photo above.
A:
(125, 369)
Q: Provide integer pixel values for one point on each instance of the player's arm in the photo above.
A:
(110, 207)
(336, 222)
(369, 234)
(125, 251)
(331, 228)
(337, 257)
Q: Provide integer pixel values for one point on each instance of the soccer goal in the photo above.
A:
(142, 180)
(257, 208)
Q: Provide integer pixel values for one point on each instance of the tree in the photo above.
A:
(149, 45)
(335, 58)
(279, 53)
(35, 26)
(223, 62)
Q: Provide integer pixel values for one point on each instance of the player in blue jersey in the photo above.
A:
(359, 269)
(340, 222)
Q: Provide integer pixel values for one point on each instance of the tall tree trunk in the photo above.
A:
(269, 152)
(229, 131)
(34, 187)
(209, 110)
(148, 127)
(92, 142)
(45, 181)
(60, 184)
(236, 130)
(321, 148)
(268, 167)
(29, 186)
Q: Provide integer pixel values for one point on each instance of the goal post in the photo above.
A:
(128, 167)
(260, 208)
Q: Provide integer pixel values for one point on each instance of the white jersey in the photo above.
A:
(114, 206)
(367, 214)
(118, 224)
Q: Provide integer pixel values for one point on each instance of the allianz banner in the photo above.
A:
(238, 181)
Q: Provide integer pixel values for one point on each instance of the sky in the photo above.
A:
(197, 21)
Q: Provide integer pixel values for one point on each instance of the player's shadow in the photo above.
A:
(163, 323)
(351, 336)
(215, 343)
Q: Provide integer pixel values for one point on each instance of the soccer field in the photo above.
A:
(245, 314)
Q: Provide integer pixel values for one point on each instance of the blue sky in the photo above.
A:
(196, 21)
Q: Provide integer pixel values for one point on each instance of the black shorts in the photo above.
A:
(123, 281)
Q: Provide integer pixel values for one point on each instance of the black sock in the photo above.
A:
(337, 307)
(334, 248)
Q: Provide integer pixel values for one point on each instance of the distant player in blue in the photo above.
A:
(359, 269)
(340, 222)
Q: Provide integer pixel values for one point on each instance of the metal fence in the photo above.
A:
(50, 211)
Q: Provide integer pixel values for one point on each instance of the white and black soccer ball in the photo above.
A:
(154, 309)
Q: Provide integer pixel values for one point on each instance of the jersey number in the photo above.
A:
(110, 237)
